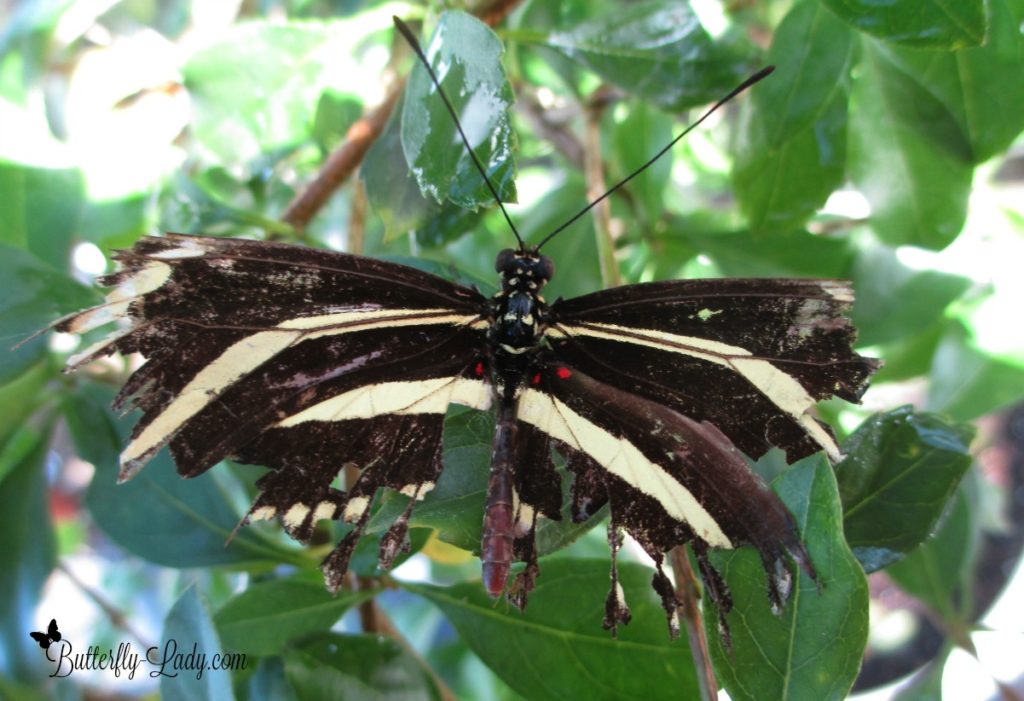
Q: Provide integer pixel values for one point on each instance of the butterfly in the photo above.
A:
(52, 635)
(305, 360)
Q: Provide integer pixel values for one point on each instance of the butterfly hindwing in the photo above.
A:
(751, 356)
(669, 479)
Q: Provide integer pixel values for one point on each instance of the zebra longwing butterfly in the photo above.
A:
(304, 360)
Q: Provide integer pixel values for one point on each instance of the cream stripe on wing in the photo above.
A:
(244, 356)
(622, 459)
(411, 397)
(780, 388)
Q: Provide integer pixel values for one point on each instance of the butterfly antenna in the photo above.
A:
(403, 28)
(761, 74)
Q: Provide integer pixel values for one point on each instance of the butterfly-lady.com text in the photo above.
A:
(170, 663)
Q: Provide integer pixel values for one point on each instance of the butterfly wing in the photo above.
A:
(52, 631)
(668, 479)
(294, 358)
(750, 356)
(41, 638)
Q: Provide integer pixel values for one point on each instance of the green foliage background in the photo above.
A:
(877, 152)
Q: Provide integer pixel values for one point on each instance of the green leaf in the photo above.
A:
(657, 50)
(791, 253)
(935, 572)
(972, 84)
(26, 560)
(357, 668)
(642, 133)
(40, 209)
(266, 617)
(189, 631)
(813, 649)
(908, 156)
(475, 83)
(256, 89)
(933, 24)
(967, 381)
(335, 113)
(391, 189)
(557, 648)
(157, 515)
(792, 150)
(901, 469)
(894, 301)
(32, 295)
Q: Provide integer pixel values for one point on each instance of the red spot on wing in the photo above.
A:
(564, 373)
(479, 369)
(536, 379)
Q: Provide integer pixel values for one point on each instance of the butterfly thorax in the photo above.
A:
(518, 312)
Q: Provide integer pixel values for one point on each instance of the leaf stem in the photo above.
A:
(593, 171)
(688, 593)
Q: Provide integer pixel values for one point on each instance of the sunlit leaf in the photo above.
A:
(908, 156)
(466, 56)
(812, 650)
(945, 24)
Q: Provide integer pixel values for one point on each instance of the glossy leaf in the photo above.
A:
(32, 295)
(813, 649)
(356, 668)
(557, 649)
(908, 156)
(935, 572)
(466, 56)
(188, 629)
(266, 617)
(934, 24)
(157, 515)
(901, 469)
(656, 49)
(792, 149)
(894, 301)
(642, 133)
(974, 84)
(967, 381)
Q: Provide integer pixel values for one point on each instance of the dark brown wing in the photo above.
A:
(297, 359)
(751, 356)
(668, 478)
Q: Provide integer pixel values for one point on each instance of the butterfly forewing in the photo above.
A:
(751, 356)
(297, 359)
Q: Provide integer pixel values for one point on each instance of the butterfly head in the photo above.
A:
(523, 270)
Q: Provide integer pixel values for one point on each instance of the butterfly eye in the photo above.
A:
(546, 268)
(504, 259)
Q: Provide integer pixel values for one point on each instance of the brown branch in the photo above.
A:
(343, 161)
(564, 141)
(688, 592)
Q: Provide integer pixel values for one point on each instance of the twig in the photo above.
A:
(357, 220)
(688, 592)
(564, 141)
(114, 614)
(593, 171)
(342, 162)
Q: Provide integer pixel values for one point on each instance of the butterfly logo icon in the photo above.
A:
(52, 635)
